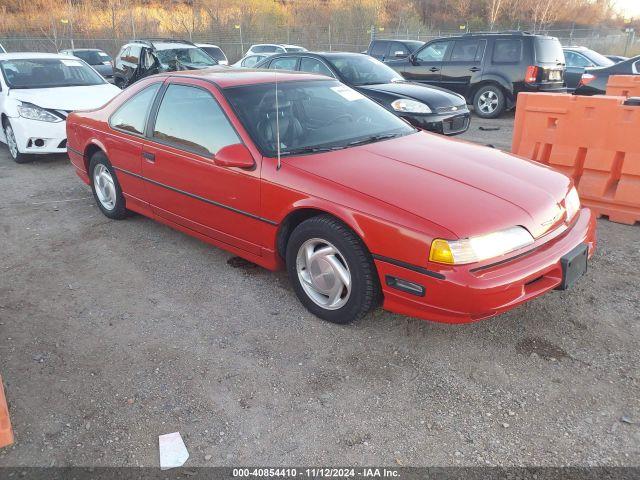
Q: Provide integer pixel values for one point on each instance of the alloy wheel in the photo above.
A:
(488, 101)
(323, 273)
(11, 141)
(105, 186)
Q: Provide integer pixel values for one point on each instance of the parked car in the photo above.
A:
(577, 60)
(425, 107)
(489, 69)
(37, 92)
(98, 59)
(385, 50)
(617, 58)
(141, 58)
(357, 204)
(271, 48)
(250, 61)
(214, 52)
(594, 80)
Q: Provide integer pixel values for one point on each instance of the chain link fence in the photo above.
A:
(234, 41)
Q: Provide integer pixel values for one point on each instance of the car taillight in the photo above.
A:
(532, 74)
(586, 79)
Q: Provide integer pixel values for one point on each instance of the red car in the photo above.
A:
(359, 206)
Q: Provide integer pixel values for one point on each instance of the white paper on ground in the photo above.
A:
(173, 452)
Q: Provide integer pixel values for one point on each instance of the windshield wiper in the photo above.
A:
(374, 138)
(302, 150)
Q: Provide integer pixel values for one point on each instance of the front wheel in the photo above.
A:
(12, 144)
(489, 102)
(331, 270)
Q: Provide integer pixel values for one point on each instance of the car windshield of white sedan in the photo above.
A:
(312, 116)
(364, 70)
(48, 73)
(191, 56)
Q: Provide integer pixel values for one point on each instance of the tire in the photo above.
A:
(489, 102)
(12, 144)
(317, 281)
(106, 188)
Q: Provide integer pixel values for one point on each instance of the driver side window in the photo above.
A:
(434, 52)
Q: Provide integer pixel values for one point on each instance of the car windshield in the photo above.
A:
(187, 55)
(549, 50)
(312, 116)
(48, 73)
(92, 57)
(598, 59)
(364, 70)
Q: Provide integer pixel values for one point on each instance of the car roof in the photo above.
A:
(228, 77)
(206, 45)
(81, 50)
(321, 54)
(31, 55)
(172, 45)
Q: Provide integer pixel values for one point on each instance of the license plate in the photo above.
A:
(555, 75)
(574, 265)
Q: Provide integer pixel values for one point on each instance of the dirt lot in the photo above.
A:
(115, 332)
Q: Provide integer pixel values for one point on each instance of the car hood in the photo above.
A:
(433, 96)
(67, 98)
(467, 189)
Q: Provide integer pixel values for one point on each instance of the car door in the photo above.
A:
(576, 64)
(184, 185)
(425, 65)
(464, 65)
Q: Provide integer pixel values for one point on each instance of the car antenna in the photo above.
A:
(279, 165)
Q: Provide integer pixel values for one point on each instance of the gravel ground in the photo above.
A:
(115, 332)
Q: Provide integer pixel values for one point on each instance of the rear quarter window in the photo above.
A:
(507, 50)
(379, 49)
(548, 50)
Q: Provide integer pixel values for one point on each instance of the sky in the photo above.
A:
(628, 7)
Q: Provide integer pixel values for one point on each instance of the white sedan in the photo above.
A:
(37, 92)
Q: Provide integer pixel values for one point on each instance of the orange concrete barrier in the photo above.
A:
(595, 140)
(624, 85)
(6, 434)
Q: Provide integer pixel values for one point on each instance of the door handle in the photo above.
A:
(434, 69)
(149, 157)
(474, 69)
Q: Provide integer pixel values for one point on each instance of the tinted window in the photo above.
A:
(434, 52)
(397, 49)
(295, 49)
(132, 115)
(191, 118)
(364, 70)
(507, 50)
(215, 53)
(92, 57)
(319, 113)
(413, 45)
(465, 50)
(379, 49)
(548, 50)
(288, 63)
(576, 60)
(312, 65)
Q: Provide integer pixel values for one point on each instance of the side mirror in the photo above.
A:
(236, 155)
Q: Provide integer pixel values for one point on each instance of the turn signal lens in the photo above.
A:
(572, 203)
(586, 79)
(441, 252)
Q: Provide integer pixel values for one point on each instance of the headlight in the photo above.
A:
(33, 112)
(409, 106)
(572, 203)
(481, 247)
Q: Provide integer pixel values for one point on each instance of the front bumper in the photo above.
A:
(467, 293)
(453, 123)
(35, 137)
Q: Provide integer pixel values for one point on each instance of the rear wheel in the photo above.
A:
(105, 187)
(489, 101)
(331, 270)
(12, 144)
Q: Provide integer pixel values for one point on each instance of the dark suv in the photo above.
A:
(489, 69)
(386, 50)
(141, 58)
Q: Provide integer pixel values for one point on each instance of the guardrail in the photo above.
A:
(624, 85)
(594, 140)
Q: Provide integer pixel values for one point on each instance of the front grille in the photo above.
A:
(452, 108)
(455, 125)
